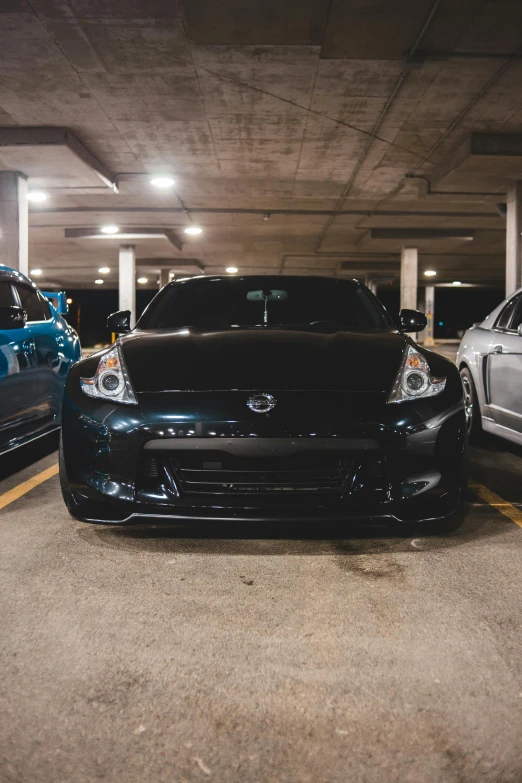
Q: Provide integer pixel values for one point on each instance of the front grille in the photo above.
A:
(254, 477)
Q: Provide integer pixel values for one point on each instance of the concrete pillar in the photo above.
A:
(421, 305)
(164, 277)
(430, 314)
(14, 221)
(513, 238)
(127, 280)
(409, 262)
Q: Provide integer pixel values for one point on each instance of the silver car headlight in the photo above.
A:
(111, 380)
(414, 379)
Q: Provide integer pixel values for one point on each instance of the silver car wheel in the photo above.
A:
(468, 401)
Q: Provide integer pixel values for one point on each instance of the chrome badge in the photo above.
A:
(261, 403)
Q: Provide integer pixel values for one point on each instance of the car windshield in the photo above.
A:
(221, 303)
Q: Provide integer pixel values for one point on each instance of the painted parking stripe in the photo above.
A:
(27, 486)
(495, 501)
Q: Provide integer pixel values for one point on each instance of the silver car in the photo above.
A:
(490, 364)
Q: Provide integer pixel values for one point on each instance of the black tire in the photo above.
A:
(471, 407)
(64, 482)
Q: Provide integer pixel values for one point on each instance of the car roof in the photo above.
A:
(490, 319)
(258, 276)
(6, 273)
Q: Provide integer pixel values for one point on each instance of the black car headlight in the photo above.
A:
(111, 380)
(414, 379)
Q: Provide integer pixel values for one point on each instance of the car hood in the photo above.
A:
(262, 359)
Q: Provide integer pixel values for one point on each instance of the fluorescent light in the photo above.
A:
(231, 270)
(193, 230)
(99, 282)
(162, 182)
(430, 273)
(36, 272)
(37, 196)
(104, 270)
(143, 280)
(457, 282)
(110, 229)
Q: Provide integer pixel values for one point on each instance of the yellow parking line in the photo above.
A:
(26, 486)
(508, 509)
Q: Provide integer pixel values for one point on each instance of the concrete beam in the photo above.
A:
(49, 137)
(173, 263)
(130, 232)
(463, 234)
(174, 239)
(484, 161)
(370, 265)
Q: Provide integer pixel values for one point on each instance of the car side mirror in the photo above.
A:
(119, 322)
(412, 321)
(12, 317)
(58, 301)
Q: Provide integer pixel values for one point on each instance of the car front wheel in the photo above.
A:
(471, 406)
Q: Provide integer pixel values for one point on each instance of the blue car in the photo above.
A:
(37, 348)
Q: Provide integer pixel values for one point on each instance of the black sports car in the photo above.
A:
(264, 398)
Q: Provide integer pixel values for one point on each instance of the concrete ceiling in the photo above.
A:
(324, 114)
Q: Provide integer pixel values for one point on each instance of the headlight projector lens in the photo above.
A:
(415, 382)
(110, 383)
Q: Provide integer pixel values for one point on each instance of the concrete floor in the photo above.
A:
(259, 654)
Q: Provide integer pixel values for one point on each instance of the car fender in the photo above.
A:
(473, 352)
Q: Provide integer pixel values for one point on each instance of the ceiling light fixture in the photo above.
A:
(194, 230)
(162, 182)
(143, 280)
(37, 196)
(109, 229)
(36, 272)
(104, 270)
(231, 270)
(457, 282)
(99, 281)
(430, 273)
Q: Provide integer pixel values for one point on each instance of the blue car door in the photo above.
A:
(17, 377)
(44, 334)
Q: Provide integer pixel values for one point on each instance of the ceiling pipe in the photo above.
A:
(261, 212)
(430, 192)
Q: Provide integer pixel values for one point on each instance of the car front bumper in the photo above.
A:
(204, 456)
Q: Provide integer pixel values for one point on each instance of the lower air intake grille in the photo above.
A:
(263, 476)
